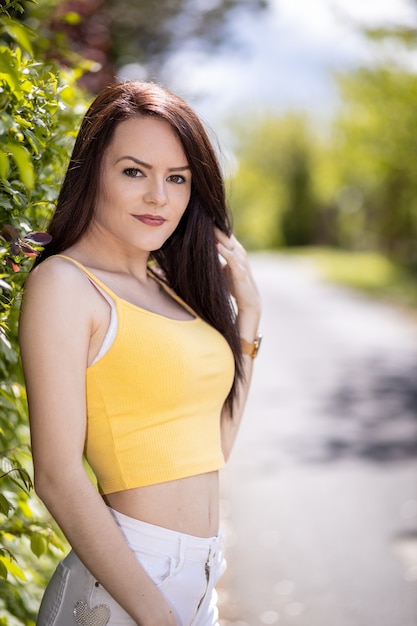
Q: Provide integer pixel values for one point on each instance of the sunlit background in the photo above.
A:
(287, 56)
(314, 104)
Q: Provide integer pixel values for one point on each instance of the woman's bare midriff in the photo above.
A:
(189, 505)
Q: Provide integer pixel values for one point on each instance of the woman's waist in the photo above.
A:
(188, 505)
(150, 537)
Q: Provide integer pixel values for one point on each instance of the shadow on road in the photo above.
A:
(370, 415)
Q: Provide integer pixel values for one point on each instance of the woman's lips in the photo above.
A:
(150, 220)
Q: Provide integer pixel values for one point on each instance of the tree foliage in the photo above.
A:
(403, 34)
(38, 116)
(354, 187)
(377, 157)
(111, 33)
(149, 32)
(272, 195)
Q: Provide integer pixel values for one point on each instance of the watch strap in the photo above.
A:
(251, 347)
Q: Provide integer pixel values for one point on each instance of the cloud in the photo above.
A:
(287, 57)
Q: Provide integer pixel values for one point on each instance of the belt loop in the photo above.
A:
(218, 547)
(182, 552)
(213, 552)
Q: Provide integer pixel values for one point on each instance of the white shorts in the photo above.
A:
(183, 567)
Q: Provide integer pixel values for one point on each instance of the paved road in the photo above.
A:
(320, 496)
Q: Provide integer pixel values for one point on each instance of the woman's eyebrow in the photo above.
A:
(149, 167)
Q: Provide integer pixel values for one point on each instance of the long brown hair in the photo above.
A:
(189, 257)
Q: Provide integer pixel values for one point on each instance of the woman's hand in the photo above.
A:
(241, 282)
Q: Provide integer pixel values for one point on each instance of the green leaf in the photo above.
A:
(38, 544)
(11, 567)
(72, 18)
(23, 161)
(5, 505)
(7, 400)
(4, 164)
(3, 570)
(25, 508)
(8, 74)
(19, 33)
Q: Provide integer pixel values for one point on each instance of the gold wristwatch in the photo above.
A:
(251, 347)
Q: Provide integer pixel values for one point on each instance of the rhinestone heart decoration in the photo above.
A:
(98, 616)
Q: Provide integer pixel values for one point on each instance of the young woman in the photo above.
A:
(136, 356)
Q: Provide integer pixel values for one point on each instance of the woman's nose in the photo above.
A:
(156, 193)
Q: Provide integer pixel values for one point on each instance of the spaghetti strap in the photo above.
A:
(171, 292)
(92, 276)
(115, 297)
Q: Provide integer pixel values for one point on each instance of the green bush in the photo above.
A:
(40, 108)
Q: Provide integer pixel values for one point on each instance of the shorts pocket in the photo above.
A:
(53, 597)
(159, 567)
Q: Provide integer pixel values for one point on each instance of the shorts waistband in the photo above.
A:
(171, 542)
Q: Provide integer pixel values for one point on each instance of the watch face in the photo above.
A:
(256, 345)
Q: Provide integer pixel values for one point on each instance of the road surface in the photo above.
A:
(319, 499)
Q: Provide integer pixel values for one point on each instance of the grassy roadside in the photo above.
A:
(368, 272)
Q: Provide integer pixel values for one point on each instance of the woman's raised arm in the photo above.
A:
(245, 292)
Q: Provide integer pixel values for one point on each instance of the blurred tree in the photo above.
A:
(375, 187)
(298, 225)
(112, 33)
(148, 32)
(74, 34)
(81, 31)
(377, 161)
(404, 34)
(272, 194)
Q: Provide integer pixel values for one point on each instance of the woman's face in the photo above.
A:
(145, 185)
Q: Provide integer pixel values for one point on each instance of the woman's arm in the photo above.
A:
(246, 294)
(56, 324)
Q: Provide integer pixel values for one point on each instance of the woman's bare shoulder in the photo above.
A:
(55, 275)
(56, 288)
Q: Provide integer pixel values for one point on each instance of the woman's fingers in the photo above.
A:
(242, 284)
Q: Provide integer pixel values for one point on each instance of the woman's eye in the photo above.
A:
(132, 172)
(177, 179)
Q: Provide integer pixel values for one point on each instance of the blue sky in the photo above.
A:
(288, 58)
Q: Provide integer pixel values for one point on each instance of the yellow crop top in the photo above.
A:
(154, 398)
